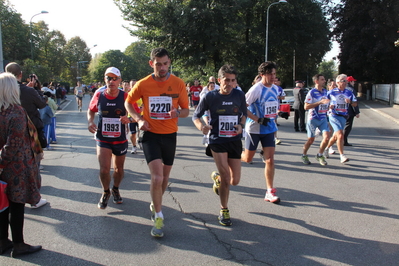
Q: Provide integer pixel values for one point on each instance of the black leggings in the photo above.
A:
(13, 216)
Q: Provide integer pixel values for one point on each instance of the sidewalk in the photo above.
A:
(390, 112)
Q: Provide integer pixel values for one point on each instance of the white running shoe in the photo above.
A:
(325, 153)
(134, 150)
(344, 159)
(331, 150)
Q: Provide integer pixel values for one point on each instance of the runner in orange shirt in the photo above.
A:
(162, 94)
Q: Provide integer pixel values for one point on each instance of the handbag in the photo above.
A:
(3, 196)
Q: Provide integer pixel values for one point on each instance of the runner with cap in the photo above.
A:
(110, 133)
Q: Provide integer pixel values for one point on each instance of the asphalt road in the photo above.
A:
(333, 215)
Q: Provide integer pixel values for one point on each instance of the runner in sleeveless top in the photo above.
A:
(228, 111)
(79, 92)
(110, 133)
(162, 94)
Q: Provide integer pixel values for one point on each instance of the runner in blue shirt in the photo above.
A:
(317, 103)
(263, 104)
(340, 98)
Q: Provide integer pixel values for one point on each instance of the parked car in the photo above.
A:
(289, 97)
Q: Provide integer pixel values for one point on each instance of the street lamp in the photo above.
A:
(30, 25)
(267, 23)
(87, 49)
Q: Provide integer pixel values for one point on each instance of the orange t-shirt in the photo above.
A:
(158, 99)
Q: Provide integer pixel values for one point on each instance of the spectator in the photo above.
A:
(18, 167)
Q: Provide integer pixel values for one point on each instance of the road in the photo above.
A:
(333, 215)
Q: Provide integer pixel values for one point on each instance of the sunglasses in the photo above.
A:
(112, 78)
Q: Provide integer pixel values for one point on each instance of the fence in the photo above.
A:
(386, 92)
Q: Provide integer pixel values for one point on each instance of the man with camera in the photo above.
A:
(263, 102)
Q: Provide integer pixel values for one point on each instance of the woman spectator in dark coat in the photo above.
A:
(18, 166)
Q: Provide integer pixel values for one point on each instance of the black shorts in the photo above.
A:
(159, 146)
(233, 149)
(195, 102)
(133, 127)
(117, 149)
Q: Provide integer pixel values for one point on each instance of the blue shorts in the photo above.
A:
(252, 141)
(159, 146)
(337, 122)
(312, 124)
(117, 149)
(133, 127)
(195, 103)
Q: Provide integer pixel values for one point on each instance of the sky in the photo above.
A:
(97, 22)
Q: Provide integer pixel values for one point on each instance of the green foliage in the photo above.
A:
(366, 32)
(202, 35)
(138, 66)
(328, 69)
(75, 51)
(15, 34)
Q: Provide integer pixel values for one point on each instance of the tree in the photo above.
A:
(139, 55)
(110, 58)
(49, 51)
(77, 58)
(15, 34)
(366, 32)
(328, 69)
(202, 35)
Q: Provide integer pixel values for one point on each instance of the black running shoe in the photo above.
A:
(104, 200)
(117, 196)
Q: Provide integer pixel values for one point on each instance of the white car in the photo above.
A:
(289, 97)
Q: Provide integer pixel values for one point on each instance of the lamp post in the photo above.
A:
(31, 37)
(267, 23)
(82, 62)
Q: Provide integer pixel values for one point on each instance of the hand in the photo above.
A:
(92, 127)
(124, 119)
(174, 113)
(143, 125)
(358, 115)
(238, 128)
(205, 129)
(347, 100)
(324, 101)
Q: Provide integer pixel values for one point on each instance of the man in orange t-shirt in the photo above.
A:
(162, 94)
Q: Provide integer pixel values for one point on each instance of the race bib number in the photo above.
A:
(196, 93)
(226, 126)
(323, 108)
(271, 109)
(341, 105)
(111, 127)
(160, 107)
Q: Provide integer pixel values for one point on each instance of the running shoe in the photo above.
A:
(321, 159)
(216, 182)
(344, 159)
(331, 150)
(152, 209)
(271, 196)
(326, 154)
(157, 231)
(134, 150)
(224, 217)
(104, 200)
(117, 196)
(277, 141)
(261, 156)
(305, 159)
